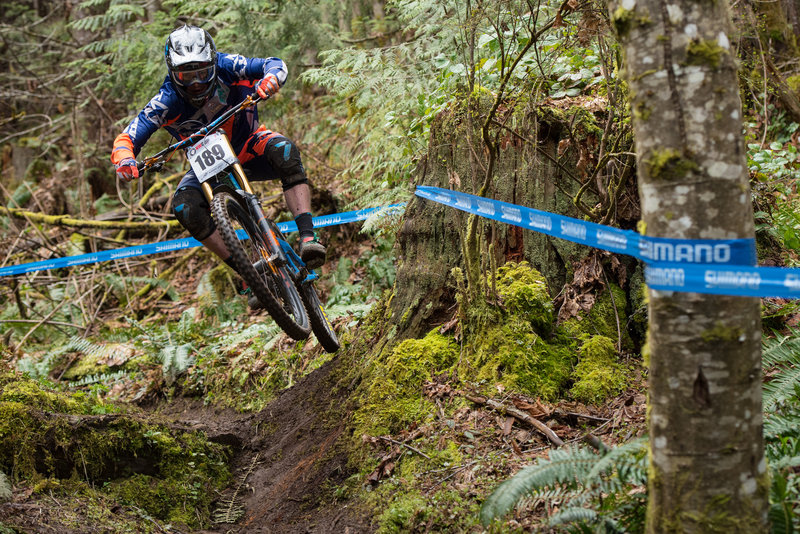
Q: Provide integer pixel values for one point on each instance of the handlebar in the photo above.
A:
(157, 161)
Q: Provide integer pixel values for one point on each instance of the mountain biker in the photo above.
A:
(200, 86)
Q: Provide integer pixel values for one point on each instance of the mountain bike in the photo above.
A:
(260, 253)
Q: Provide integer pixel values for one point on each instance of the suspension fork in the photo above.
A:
(254, 208)
(237, 171)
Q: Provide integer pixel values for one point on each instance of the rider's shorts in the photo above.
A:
(266, 155)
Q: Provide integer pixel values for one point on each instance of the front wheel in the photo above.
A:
(272, 285)
(322, 327)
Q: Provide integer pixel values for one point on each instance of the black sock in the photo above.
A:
(304, 225)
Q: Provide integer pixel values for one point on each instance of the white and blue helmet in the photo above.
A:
(192, 63)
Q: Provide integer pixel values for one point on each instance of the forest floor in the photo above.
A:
(288, 464)
(286, 459)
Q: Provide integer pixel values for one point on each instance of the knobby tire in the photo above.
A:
(271, 289)
(322, 327)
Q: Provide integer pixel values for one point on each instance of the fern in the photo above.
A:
(41, 366)
(562, 470)
(781, 357)
(5, 487)
(104, 378)
(175, 360)
(592, 488)
(231, 509)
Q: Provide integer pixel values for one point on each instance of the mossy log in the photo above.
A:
(71, 222)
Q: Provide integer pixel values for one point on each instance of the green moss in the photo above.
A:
(669, 164)
(794, 84)
(402, 514)
(642, 112)
(704, 53)
(442, 511)
(606, 318)
(598, 375)
(514, 355)
(621, 20)
(87, 365)
(720, 332)
(46, 435)
(31, 393)
(394, 396)
(624, 20)
(524, 293)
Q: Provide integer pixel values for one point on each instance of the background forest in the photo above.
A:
(108, 370)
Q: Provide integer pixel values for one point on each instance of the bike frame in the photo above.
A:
(282, 254)
(235, 183)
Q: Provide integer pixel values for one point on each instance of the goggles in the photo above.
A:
(191, 77)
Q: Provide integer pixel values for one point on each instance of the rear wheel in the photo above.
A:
(272, 285)
(322, 327)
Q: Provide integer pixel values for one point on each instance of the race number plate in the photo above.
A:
(210, 156)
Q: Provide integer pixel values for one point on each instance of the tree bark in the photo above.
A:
(708, 472)
(430, 237)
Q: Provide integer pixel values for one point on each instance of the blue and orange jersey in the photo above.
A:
(236, 77)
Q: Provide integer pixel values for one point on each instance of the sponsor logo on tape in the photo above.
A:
(612, 239)
(665, 276)
(574, 229)
(660, 251)
(464, 203)
(792, 282)
(81, 260)
(732, 279)
(444, 198)
(172, 245)
(127, 253)
(334, 219)
(510, 213)
(539, 221)
(486, 207)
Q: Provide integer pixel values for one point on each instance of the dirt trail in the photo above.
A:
(290, 450)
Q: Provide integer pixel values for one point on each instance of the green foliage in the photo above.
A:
(604, 491)
(512, 354)
(392, 107)
(378, 267)
(516, 344)
(392, 399)
(5, 487)
(776, 171)
(402, 514)
(603, 319)
(186, 469)
(524, 292)
(781, 356)
(598, 375)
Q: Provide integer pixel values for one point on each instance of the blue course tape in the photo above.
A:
(740, 280)
(179, 244)
(723, 267)
(649, 249)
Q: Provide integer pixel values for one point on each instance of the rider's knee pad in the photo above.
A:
(191, 209)
(284, 157)
(289, 182)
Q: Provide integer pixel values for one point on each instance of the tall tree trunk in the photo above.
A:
(708, 472)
